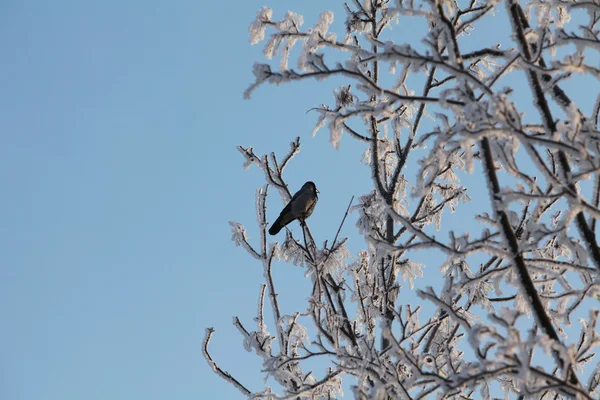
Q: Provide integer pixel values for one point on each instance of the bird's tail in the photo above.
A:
(277, 226)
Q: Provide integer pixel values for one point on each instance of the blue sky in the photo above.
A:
(119, 122)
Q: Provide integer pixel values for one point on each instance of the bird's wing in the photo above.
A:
(288, 207)
(303, 204)
(296, 195)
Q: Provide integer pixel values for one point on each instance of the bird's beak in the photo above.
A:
(317, 190)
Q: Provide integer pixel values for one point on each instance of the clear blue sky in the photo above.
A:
(118, 127)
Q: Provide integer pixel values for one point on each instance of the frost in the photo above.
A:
(325, 19)
(343, 97)
(320, 122)
(291, 251)
(238, 233)
(309, 57)
(261, 72)
(258, 26)
(410, 271)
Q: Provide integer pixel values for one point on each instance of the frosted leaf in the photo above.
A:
(366, 157)
(355, 24)
(259, 341)
(575, 248)
(392, 69)
(238, 233)
(291, 251)
(271, 47)
(563, 16)
(343, 97)
(336, 126)
(522, 305)
(372, 213)
(249, 158)
(291, 22)
(325, 19)
(543, 14)
(337, 261)
(410, 270)
(257, 27)
(296, 332)
(275, 250)
(308, 57)
(479, 72)
(240, 238)
(320, 122)
(285, 53)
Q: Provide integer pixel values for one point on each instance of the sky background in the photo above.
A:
(119, 123)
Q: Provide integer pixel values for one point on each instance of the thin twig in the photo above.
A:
(215, 367)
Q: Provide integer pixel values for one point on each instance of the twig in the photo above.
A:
(223, 374)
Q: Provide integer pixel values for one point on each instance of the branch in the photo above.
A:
(223, 374)
(518, 17)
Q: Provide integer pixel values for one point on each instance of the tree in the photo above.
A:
(502, 323)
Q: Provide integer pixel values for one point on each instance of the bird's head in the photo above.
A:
(310, 186)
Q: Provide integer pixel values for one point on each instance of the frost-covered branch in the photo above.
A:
(439, 119)
(223, 374)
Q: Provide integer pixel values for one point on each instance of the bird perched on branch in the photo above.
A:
(300, 207)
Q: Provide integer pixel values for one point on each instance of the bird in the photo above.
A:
(300, 207)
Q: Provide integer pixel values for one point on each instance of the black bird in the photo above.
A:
(300, 207)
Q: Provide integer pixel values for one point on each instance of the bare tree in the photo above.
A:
(536, 253)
